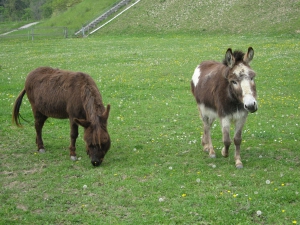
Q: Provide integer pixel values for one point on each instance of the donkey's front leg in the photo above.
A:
(225, 122)
(74, 135)
(237, 141)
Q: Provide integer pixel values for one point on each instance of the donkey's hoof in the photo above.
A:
(41, 150)
(212, 155)
(239, 166)
(73, 158)
(224, 154)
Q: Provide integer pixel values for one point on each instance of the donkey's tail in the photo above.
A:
(16, 109)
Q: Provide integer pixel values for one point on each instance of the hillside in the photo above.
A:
(184, 16)
(77, 16)
(213, 16)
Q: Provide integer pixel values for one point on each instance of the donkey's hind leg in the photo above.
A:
(39, 123)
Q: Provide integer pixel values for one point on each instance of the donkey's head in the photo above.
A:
(96, 137)
(241, 78)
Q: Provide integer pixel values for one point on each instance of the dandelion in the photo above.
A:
(294, 222)
(161, 199)
(183, 195)
(283, 210)
(235, 195)
(84, 187)
(268, 182)
(170, 167)
(258, 213)
(282, 184)
(198, 180)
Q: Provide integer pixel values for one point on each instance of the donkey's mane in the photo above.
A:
(94, 108)
(238, 55)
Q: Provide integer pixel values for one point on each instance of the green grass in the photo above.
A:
(155, 131)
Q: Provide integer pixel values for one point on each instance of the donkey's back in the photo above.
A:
(57, 93)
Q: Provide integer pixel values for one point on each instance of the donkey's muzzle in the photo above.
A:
(250, 103)
(251, 107)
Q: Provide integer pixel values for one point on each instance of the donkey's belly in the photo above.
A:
(57, 108)
(207, 112)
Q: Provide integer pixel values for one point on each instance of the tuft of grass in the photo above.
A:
(155, 171)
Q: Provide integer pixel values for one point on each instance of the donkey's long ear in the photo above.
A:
(229, 59)
(106, 112)
(249, 56)
(82, 122)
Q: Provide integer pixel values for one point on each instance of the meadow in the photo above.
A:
(155, 171)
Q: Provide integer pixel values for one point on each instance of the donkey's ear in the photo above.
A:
(106, 112)
(229, 59)
(82, 122)
(249, 56)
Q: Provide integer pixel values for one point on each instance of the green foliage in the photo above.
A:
(155, 171)
(12, 10)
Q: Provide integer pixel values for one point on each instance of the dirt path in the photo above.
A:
(20, 28)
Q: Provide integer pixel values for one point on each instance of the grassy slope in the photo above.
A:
(214, 16)
(187, 16)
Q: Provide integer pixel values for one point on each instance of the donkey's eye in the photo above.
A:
(233, 82)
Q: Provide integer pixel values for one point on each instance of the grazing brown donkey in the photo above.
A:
(64, 94)
(225, 90)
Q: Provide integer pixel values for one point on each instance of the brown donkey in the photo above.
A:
(225, 90)
(64, 94)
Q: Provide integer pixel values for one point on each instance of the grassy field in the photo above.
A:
(155, 171)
